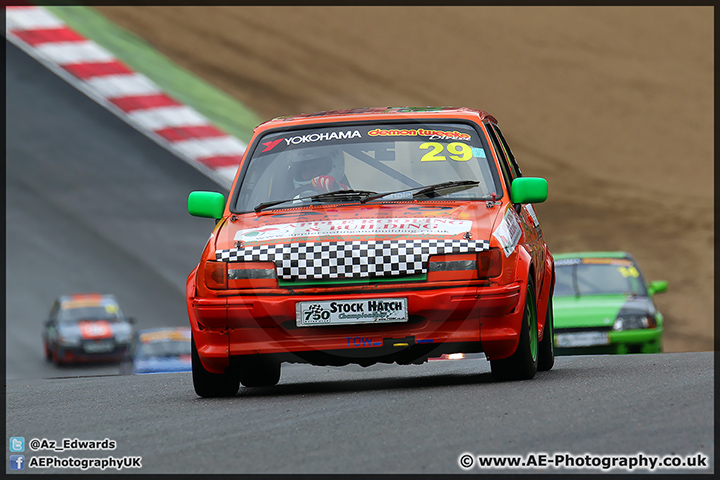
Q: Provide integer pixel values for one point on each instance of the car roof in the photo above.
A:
(164, 333)
(378, 113)
(163, 329)
(86, 296)
(612, 254)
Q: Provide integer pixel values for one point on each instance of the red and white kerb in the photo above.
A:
(130, 95)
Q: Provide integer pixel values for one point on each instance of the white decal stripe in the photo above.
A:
(358, 226)
(167, 117)
(209, 147)
(57, 55)
(123, 85)
(64, 53)
(30, 18)
(508, 232)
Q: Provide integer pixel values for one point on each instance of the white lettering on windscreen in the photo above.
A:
(316, 137)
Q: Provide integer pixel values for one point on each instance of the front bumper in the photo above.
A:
(444, 320)
(79, 354)
(619, 342)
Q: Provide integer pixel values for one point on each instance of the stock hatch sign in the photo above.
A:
(348, 312)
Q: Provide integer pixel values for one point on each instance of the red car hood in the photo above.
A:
(360, 223)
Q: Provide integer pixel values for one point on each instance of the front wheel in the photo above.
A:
(546, 359)
(57, 357)
(46, 350)
(523, 364)
(208, 384)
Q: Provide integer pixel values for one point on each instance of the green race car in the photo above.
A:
(602, 304)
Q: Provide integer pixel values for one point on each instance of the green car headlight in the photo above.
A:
(634, 322)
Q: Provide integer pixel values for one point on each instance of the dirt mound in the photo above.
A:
(613, 105)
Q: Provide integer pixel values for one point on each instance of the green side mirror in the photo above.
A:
(528, 190)
(206, 204)
(657, 286)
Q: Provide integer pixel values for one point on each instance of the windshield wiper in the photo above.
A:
(261, 206)
(365, 195)
(456, 185)
(347, 194)
(344, 194)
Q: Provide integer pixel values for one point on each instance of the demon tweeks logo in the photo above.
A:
(423, 132)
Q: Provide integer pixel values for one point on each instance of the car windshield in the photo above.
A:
(615, 276)
(369, 158)
(164, 348)
(109, 312)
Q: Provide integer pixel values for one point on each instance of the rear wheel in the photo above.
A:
(259, 372)
(546, 360)
(46, 349)
(523, 364)
(208, 384)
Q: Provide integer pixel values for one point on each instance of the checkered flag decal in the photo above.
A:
(315, 308)
(328, 260)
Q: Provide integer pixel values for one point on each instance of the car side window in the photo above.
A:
(506, 172)
(513, 164)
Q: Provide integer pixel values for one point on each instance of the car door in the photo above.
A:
(528, 218)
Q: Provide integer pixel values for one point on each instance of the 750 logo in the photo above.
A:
(316, 314)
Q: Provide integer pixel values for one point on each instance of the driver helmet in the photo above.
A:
(309, 163)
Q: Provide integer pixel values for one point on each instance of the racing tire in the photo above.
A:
(523, 364)
(47, 353)
(546, 349)
(208, 384)
(259, 372)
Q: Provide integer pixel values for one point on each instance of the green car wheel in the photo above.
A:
(523, 364)
(547, 345)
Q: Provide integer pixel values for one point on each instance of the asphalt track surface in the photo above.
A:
(92, 205)
(386, 419)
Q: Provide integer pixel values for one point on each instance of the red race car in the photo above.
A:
(371, 235)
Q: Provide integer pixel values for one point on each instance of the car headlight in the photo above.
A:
(69, 341)
(634, 322)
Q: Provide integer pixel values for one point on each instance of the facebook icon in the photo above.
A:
(17, 462)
